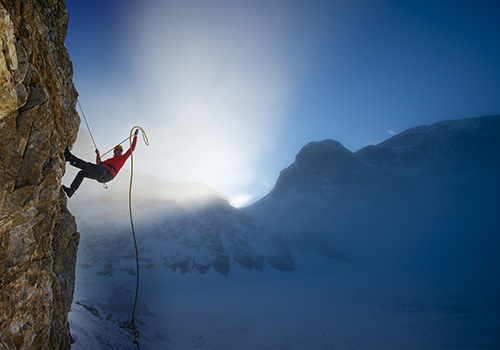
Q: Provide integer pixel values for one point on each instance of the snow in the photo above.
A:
(333, 307)
(370, 264)
(369, 302)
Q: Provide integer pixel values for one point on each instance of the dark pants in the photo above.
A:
(89, 170)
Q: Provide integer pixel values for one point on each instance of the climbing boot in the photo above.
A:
(68, 190)
(67, 155)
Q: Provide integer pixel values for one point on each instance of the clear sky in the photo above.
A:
(228, 91)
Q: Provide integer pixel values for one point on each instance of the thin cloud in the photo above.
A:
(213, 87)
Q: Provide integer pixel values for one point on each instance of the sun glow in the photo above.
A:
(213, 89)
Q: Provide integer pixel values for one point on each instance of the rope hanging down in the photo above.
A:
(133, 325)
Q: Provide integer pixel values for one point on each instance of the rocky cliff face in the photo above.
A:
(38, 238)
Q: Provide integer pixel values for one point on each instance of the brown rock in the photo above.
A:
(38, 119)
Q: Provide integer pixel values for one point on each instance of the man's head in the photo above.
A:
(118, 151)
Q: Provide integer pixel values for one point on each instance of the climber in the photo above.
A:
(102, 171)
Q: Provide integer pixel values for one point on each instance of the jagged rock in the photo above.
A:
(38, 237)
(8, 63)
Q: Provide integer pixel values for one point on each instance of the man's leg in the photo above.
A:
(89, 170)
(79, 179)
(96, 170)
(77, 182)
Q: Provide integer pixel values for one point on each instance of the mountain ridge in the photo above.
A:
(410, 189)
(386, 224)
(310, 209)
(331, 155)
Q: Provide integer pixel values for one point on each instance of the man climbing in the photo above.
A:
(102, 171)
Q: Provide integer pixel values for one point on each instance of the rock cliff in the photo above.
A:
(38, 238)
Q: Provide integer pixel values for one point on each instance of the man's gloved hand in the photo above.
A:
(98, 157)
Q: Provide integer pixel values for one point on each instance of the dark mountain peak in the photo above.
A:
(447, 148)
(318, 164)
(424, 202)
(323, 154)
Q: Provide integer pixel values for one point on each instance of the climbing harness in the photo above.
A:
(132, 325)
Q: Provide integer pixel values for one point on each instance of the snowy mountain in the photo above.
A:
(417, 209)
(182, 229)
(328, 201)
(425, 197)
(176, 229)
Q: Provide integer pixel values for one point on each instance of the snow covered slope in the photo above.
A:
(182, 229)
(175, 227)
(423, 202)
(347, 245)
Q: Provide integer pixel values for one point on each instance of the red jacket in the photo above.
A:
(116, 163)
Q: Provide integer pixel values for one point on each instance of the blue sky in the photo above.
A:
(229, 91)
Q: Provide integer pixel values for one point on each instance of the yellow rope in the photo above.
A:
(132, 325)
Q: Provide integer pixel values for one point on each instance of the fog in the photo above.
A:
(361, 250)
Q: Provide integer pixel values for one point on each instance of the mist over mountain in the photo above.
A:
(424, 199)
(422, 202)
(184, 230)
(417, 211)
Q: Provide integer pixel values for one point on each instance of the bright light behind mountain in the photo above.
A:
(229, 90)
(216, 90)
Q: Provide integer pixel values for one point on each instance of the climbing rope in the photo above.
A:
(92, 136)
(133, 325)
(86, 123)
(112, 149)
